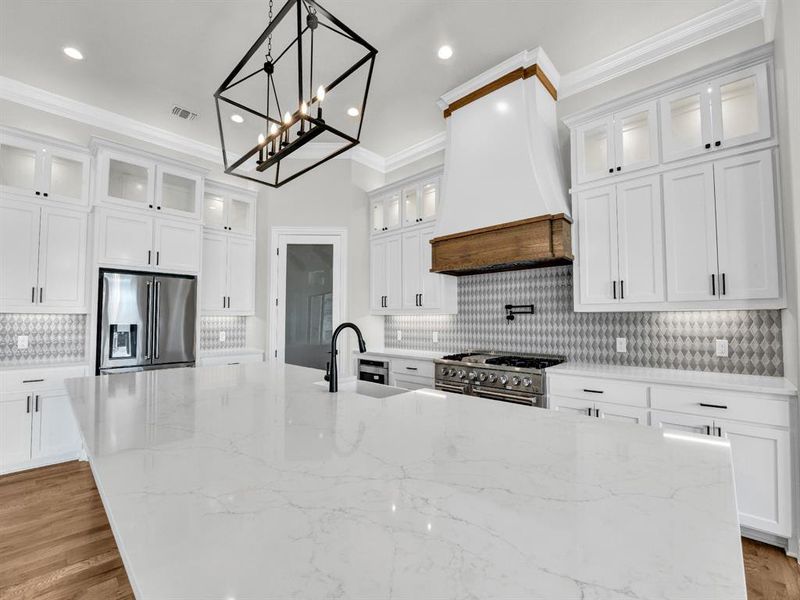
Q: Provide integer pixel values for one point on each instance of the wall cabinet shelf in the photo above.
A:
(37, 167)
(227, 283)
(43, 253)
(137, 240)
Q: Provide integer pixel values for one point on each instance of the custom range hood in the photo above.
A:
(504, 204)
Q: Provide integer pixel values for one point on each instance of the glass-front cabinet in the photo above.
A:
(619, 143)
(385, 212)
(36, 167)
(178, 192)
(720, 113)
(127, 180)
(411, 204)
(420, 201)
(228, 209)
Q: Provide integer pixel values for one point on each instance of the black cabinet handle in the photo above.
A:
(621, 289)
(28, 405)
(420, 299)
(32, 380)
(149, 252)
(45, 194)
(708, 146)
(611, 170)
(592, 391)
(33, 294)
(706, 405)
(619, 168)
(150, 205)
(717, 143)
(713, 285)
(723, 284)
(614, 289)
(41, 295)
(158, 257)
(38, 193)
(36, 409)
(411, 369)
(158, 208)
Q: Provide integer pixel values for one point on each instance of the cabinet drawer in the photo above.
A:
(422, 368)
(721, 405)
(411, 382)
(595, 389)
(40, 379)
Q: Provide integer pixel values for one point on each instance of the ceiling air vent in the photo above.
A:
(183, 113)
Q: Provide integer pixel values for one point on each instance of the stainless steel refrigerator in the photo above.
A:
(146, 321)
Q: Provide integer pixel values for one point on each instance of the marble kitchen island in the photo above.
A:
(250, 482)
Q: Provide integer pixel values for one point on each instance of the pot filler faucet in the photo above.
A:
(332, 374)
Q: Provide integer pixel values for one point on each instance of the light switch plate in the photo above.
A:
(221, 336)
(721, 348)
(435, 337)
(622, 344)
(399, 335)
(22, 342)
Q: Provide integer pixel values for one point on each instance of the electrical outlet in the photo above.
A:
(435, 337)
(721, 348)
(221, 336)
(622, 344)
(22, 342)
(399, 335)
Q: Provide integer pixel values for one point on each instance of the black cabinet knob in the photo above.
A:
(611, 170)
(619, 168)
(44, 194)
(38, 193)
(708, 146)
(717, 143)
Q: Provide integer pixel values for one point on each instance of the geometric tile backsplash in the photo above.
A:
(51, 338)
(235, 329)
(672, 340)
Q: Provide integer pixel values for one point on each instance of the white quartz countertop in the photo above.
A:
(229, 352)
(252, 482)
(396, 353)
(727, 381)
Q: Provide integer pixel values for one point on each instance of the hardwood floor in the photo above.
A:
(56, 544)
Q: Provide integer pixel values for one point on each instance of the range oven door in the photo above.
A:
(491, 394)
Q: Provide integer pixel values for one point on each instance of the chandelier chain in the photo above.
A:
(269, 40)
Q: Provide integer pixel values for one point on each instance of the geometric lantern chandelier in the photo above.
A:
(306, 60)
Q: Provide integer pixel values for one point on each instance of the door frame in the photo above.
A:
(279, 238)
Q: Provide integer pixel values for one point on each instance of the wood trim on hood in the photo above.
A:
(520, 73)
(525, 244)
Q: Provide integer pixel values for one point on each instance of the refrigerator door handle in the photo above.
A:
(156, 319)
(148, 320)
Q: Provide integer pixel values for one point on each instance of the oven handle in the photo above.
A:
(483, 393)
(458, 389)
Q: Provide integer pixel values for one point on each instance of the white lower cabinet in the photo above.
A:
(137, 240)
(756, 425)
(386, 274)
(37, 425)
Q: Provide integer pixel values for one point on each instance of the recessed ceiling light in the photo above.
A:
(353, 111)
(237, 118)
(445, 52)
(73, 53)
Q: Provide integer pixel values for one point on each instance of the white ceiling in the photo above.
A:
(143, 56)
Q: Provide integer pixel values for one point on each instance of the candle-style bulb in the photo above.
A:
(261, 139)
(273, 130)
(304, 108)
(320, 94)
(287, 118)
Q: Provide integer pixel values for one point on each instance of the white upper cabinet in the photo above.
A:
(420, 202)
(126, 180)
(43, 256)
(177, 246)
(241, 275)
(37, 167)
(213, 280)
(599, 259)
(408, 203)
(228, 209)
(747, 237)
(718, 114)
(690, 227)
(227, 282)
(386, 265)
(178, 192)
(385, 212)
(619, 143)
(124, 239)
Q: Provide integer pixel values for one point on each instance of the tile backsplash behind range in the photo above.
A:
(676, 340)
(235, 329)
(51, 339)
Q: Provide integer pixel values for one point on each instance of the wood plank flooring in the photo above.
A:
(56, 544)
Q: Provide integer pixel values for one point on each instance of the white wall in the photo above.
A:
(328, 196)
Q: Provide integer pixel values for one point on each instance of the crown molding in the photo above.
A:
(416, 152)
(716, 22)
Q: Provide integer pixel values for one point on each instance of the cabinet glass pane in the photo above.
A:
(127, 181)
(635, 138)
(17, 167)
(739, 108)
(430, 197)
(595, 145)
(410, 208)
(377, 216)
(239, 217)
(177, 193)
(686, 119)
(392, 211)
(66, 177)
(214, 211)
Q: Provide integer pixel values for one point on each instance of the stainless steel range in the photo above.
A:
(508, 377)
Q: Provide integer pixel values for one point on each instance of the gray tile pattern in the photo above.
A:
(674, 340)
(235, 329)
(51, 339)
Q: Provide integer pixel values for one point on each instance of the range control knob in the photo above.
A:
(515, 380)
(444, 371)
(492, 377)
(472, 375)
(451, 372)
(461, 374)
(526, 382)
(482, 376)
(503, 379)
